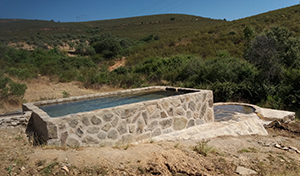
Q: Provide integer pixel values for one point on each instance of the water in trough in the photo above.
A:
(57, 110)
(227, 112)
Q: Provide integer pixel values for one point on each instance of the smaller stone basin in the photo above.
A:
(229, 112)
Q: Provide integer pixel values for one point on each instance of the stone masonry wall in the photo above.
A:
(15, 120)
(128, 123)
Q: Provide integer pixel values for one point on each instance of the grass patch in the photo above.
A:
(49, 168)
(94, 171)
(202, 148)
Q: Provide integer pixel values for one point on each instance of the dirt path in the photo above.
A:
(224, 155)
(118, 63)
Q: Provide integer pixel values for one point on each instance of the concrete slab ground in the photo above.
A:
(272, 114)
(245, 124)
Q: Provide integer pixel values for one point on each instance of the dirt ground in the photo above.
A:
(274, 154)
(219, 156)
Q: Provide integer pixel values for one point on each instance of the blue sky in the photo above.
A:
(89, 10)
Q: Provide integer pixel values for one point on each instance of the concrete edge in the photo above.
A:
(264, 113)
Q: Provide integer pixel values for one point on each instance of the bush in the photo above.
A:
(85, 50)
(21, 73)
(107, 44)
(10, 90)
(272, 52)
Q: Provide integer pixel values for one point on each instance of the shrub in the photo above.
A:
(21, 73)
(65, 94)
(85, 50)
(107, 44)
(10, 91)
(202, 147)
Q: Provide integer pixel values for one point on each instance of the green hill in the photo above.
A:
(255, 59)
(134, 28)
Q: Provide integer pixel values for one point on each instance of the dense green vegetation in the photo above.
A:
(253, 60)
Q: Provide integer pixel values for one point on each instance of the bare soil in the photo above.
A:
(19, 157)
(118, 63)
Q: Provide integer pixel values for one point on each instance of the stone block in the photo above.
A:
(127, 139)
(135, 118)
(151, 108)
(210, 116)
(101, 135)
(170, 111)
(196, 116)
(131, 128)
(63, 138)
(73, 142)
(165, 104)
(155, 116)
(179, 111)
(163, 114)
(210, 103)
(85, 121)
(140, 126)
(152, 126)
(192, 105)
(184, 106)
(189, 114)
(126, 113)
(52, 131)
(79, 132)
(145, 117)
(96, 120)
(93, 130)
(112, 134)
(200, 121)
(122, 128)
(156, 132)
(179, 123)
(203, 110)
(143, 136)
(115, 122)
(198, 106)
(166, 123)
(203, 97)
(107, 117)
(175, 102)
(166, 131)
(106, 127)
(73, 123)
(90, 140)
(191, 123)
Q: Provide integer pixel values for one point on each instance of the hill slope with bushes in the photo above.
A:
(253, 60)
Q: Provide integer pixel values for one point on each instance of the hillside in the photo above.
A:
(134, 28)
(255, 59)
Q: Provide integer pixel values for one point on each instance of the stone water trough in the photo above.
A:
(121, 124)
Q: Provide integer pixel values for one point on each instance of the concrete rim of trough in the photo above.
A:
(264, 113)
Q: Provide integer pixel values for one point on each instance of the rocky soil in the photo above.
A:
(276, 154)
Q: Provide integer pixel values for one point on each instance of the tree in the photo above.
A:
(248, 32)
(85, 50)
(107, 44)
(272, 52)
